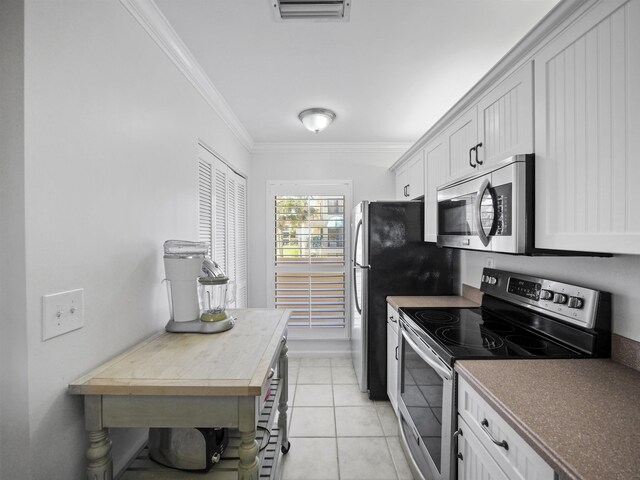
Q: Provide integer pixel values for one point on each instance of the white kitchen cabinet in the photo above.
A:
(498, 126)
(435, 175)
(410, 178)
(392, 356)
(514, 456)
(402, 182)
(460, 137)
(587, 133)
(474, 461)
(505, 118)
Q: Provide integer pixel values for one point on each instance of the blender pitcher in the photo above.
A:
(212, 295)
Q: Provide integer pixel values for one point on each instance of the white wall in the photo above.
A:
(369, 173)
(13, 338)
(111, 131)
(619, 275)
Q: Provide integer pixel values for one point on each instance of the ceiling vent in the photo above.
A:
(311, 10)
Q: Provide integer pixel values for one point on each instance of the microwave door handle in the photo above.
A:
(432, 362)
(478, 211)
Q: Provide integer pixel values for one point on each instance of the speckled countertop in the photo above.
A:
(582, 416)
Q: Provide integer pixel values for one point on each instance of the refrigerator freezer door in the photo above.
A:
(359, 295)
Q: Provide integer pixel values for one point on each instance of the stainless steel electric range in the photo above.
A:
(521, 317)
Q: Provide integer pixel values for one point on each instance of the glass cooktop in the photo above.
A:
(467, 333)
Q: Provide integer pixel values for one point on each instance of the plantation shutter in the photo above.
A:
(310, 254)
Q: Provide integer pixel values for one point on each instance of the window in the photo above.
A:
(309, 257)
(222, 211)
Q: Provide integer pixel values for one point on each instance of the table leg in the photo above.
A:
(283, 373)
(100, 465)
(248, 466)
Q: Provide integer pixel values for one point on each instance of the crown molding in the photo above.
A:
(149, 16)
(336, 147)
(540, 35)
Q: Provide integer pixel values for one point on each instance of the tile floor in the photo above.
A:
(336, 432)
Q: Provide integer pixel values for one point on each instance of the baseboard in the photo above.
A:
(318, 348)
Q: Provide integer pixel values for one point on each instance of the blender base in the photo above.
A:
(198, 326)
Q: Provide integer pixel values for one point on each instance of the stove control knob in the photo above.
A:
(559, 298)
(546, 295)
(491, 280)
(575, 302)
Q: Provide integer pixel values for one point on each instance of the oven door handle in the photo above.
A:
(429, 357)
(478, 211)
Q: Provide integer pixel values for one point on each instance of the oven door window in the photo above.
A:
(455, 216)
(422, 392)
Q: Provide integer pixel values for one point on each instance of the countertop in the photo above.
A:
(582, 416)
(471, 297)
(235, 362)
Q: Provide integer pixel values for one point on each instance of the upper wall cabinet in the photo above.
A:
(410, 178)
(498, 126)
(587, 126)
(435, 175)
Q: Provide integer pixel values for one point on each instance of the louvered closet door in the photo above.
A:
(205, 201)
(241, 242)
(222, 212)
(220, 224)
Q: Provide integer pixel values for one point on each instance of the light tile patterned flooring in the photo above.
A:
(336, 432)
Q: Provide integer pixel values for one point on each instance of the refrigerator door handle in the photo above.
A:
(355, 293)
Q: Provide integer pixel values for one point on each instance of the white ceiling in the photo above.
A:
(389, 73)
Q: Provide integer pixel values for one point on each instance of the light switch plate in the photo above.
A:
(62, 312)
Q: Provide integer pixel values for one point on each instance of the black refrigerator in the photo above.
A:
(390, 257)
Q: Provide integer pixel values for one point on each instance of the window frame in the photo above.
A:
(311, 187)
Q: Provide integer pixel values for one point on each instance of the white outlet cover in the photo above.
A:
(62, 313)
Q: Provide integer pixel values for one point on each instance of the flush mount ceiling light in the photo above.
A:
(316, 119)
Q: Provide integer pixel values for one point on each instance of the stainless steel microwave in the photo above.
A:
(491, 210)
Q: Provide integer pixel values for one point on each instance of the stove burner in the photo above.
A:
(436, 316)
(498, 327)
(527, 342)
(467, 337)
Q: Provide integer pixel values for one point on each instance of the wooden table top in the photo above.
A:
(235, 362)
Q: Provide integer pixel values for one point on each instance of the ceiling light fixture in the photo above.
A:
(316, 119)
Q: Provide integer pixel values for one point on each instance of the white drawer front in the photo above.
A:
(519, 460)
(474, 461)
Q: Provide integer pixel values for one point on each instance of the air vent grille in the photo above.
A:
(315, 10)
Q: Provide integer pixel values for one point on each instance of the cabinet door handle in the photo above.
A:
(478, 161)
(485, 427)
(472, 149)
(393, 318)
(406, 190)
(396, 353)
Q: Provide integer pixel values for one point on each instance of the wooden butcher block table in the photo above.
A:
(190, 380)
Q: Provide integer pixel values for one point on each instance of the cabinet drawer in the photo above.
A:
(518, 460)
(474, 461)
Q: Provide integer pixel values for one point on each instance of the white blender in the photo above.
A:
(187, 269)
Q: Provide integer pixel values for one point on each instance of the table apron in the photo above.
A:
(172, 411)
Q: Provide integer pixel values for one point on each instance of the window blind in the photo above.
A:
(309, 259)
(309, 229)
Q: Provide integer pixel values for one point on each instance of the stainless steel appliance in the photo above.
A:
(521, 317)
(389, 258)
(188, 448)
(490, 210)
